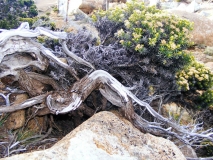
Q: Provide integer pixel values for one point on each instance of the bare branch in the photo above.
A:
(24, 31)
(28, 103)
(76, 58)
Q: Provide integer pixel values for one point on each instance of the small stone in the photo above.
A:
(37, 124)
(17, 119)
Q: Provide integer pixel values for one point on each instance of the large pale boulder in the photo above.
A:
(202, 33)
(207, 10)
(107, 136)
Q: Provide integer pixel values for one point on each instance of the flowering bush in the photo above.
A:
(147, 30)
(206, 100)
(195, 77)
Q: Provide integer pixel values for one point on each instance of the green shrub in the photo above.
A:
(205, 100)
(45, 18)
(12, 11)
(31, 21)
(55, 9)
(198, 80)
(147, 30)
(33, 11)
(41, 39)
(195, 77)
(53, 25)
(48, 13)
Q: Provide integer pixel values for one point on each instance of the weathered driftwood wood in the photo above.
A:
(118, 95)
(20, 61)
(26, 104)
(18, 41)
(24, 31)
(33, 83)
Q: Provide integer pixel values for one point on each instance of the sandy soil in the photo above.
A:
(44, 5)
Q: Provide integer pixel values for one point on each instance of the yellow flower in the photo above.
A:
(121, 41)
(159, 24)
(122, 16)
(137, 22)
(177, 30)
(163, 41)
(172, 26)
(185, 30)
(120, 32)
(139, 47)
(173, 46)
(137, 11)
(186, 76)
(206, 76)
(200, 78)
(127, 23)
(197, 76)
(162, 30)
(187, 87)
(135, 35)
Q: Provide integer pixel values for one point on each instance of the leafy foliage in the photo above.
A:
(147, 30)
(31, 21)
(206, 100)
(195, 77)
(159, 40)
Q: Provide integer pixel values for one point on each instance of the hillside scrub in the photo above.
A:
(155, 43)
(136, 64)
(12, 10)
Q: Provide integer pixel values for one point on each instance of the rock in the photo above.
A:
(191, 8)
(17, 119)
(209, 65)
(202, 33)
(153, 2)
(169, 5)
(106, 136)
(206, 10)
(88, 6)
(37, 124)
(188, 151)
